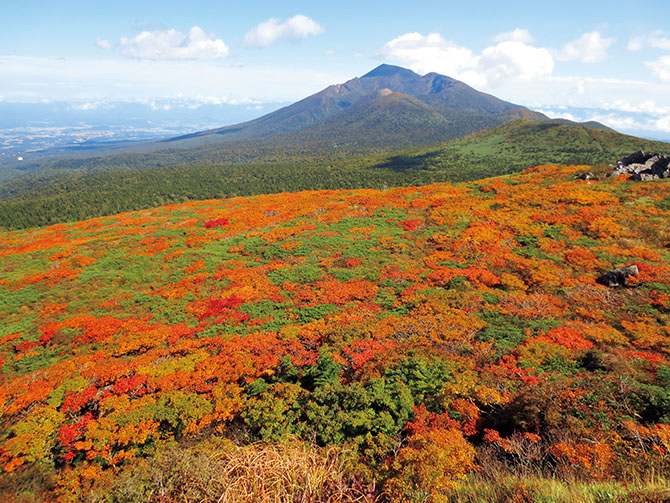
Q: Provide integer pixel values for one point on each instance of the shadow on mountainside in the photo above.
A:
(405, 163)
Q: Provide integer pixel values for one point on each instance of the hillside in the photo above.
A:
(508, 148)
(438, 343)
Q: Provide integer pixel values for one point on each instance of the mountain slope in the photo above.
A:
(418, 329)
(388, 119)
(508, 148)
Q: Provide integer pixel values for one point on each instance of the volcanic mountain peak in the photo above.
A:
(385, 70)
(459, 104)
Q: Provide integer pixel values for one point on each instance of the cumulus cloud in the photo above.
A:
(663, 124)
(273, 30)
(657, 39)
(171, 44)
(516, 35)
(591, 47)
(660, 42)
(429, 53)
(630, 120)
(559, 114)
(506, 60)
(102, 43)
(646, 107)
(633, 123)
(621, 122)
(511, 60)
(85, 107)
(660, 67)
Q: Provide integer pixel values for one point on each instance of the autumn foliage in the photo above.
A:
(427, 332)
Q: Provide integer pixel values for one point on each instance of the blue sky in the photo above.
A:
(604, 60)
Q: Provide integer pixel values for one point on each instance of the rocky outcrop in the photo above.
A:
(641, 166)
(585, 176)
(617, 277)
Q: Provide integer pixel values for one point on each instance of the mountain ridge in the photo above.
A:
(439, 91)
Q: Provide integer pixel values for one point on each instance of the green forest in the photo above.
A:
(75, 190)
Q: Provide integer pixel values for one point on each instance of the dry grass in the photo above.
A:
(290, 472)
(546, 490)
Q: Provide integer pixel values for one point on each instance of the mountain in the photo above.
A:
(440, 93)
(385, 110)
(508, 148)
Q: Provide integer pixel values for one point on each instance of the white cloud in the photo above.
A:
(656, 39)
(663, 124)
(505, 60)
(660, 67)
(516, 35)
(636, 43)
(646, 107)
(85, 107)
(223, 100)
(619, 121)
(559, 114)
(638, 123)
(580, 91)
(171, 44)
(510, 60)
(128, 79)
(430, 53)
(633, 123)
(163, 107)
(103, 44)
(591, 47)
(272, 30)
(179, 100)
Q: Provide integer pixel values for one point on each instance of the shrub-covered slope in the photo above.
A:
(429, 332)
(46, 199)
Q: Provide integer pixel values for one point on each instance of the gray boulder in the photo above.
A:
(641, 166)
(638, 157)
(585, 176)
(617, 277)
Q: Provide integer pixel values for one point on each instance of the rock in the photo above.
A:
(652, 160)
(585, 176)
(636, 158)
(617, 277)
(643, 166)
(644, 176)
(661, 167)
